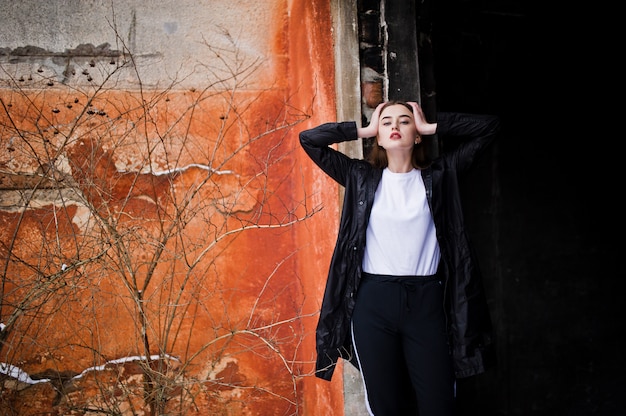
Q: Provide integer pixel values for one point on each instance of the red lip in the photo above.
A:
(395, 136)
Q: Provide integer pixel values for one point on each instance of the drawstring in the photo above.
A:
(409, 286)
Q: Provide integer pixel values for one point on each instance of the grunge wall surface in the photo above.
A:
(160, 229)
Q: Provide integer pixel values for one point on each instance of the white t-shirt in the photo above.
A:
(401, 238)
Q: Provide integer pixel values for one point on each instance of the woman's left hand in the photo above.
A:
(423, 126)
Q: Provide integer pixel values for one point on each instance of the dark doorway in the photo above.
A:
(540, 208)
(540, 227)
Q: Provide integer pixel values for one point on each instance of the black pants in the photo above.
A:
(399, 334)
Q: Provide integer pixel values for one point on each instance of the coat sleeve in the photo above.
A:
(475, 131)
(316, 143)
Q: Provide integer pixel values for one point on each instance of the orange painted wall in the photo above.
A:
(313, 77)
(244, 315)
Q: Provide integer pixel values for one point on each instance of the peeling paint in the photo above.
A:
(83, 50)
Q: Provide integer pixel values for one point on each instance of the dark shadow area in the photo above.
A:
(541, 212)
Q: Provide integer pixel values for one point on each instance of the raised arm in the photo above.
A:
(475, 131)
(316, 143)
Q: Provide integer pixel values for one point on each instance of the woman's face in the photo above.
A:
(396, 128)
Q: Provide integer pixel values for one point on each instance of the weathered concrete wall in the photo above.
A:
(169, 40)
(161, 228)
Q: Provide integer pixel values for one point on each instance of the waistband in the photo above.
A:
(399, 279)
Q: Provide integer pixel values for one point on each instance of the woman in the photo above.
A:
(404, 299)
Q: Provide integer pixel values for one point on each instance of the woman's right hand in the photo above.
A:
(372, 129)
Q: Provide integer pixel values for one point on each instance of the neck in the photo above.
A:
(400, 164)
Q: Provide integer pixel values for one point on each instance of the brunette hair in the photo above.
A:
(377, 155)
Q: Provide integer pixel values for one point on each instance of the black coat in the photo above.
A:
(469, 323)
